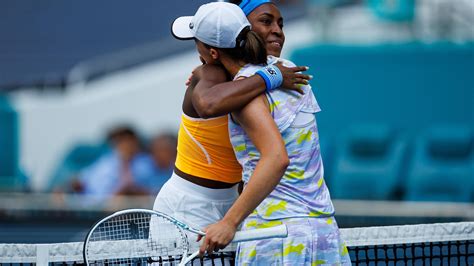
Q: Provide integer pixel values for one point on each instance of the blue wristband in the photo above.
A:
(272, 76)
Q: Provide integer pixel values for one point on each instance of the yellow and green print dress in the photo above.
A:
(301, 200)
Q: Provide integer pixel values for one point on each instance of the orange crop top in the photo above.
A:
(205, 151)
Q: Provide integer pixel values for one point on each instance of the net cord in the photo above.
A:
(408, 234)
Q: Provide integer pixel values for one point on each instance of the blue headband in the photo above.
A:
(249, 5)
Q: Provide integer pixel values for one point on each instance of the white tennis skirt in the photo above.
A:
(195, 205)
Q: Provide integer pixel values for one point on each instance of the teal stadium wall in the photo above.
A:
(10, 176)
(378, 104)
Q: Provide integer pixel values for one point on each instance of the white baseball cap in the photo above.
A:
(217, 24)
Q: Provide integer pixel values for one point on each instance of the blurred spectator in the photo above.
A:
(163, 152)
(125, 170)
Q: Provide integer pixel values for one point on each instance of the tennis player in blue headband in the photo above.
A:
(207, 173)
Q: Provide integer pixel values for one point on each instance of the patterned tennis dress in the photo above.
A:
(301, 200)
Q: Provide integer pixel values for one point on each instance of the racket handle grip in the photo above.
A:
(279, 231)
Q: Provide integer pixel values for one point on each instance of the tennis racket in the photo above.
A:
(140, 236)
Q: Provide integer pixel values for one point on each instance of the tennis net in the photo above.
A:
(424, 244)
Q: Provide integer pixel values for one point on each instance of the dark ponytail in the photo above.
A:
(255, 51)
(250, 48)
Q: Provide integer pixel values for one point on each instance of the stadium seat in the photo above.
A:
(368, 163)
(10, 176)
(442, 167)
(78, 157)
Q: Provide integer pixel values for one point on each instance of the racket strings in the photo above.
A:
(135, 238)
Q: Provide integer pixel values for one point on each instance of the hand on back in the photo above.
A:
(293, 78)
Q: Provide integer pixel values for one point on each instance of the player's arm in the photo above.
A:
(211, 100)
(258, 123)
